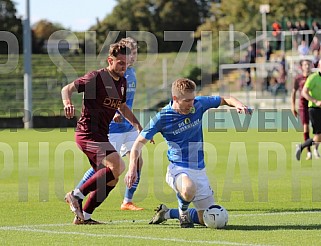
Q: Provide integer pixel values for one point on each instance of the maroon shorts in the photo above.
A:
(304, 115)
(94, 150)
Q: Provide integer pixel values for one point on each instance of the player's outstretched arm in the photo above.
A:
(233, 102)
(128, 114)
(135, 152)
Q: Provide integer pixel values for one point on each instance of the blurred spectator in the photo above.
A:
(282, 75)
(279, 81)
(246, 81)
(315, 44)
(297, 35)
(290, 26)
(268, 50)
(297, 26)
(251, 54)
(304, 25)
(283, 61)
(303, 48)
(278, 77)
(316, 58)
(315, 26)
(276, 32)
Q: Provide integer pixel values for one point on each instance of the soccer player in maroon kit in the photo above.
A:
(104, 92)
(298, 84)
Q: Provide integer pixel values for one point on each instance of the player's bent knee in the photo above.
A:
(187, 195)
(186, 187)
(117, 171)
(122, 168)
(189, 192)
(115, 163)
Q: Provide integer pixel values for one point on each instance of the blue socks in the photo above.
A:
(129, 193)
(182, 204)
(174, 214)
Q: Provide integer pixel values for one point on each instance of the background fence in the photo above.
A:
(50, 73)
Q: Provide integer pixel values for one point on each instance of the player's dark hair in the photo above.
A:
(302, 60)
(119, 48)
(130, 42)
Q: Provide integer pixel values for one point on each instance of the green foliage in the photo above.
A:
(10, 22)
(155, 16)
(194, 73)
(42, 31)
(44, 28)
(246, 16)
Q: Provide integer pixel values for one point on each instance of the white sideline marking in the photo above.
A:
(70, 224)
(30, 229)
(33, 228)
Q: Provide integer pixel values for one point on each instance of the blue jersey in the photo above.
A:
(183, 133)
(124, 125)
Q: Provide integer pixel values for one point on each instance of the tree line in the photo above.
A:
(157, 16)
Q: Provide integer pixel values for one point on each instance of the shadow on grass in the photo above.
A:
(274, 227)
(277, 210)
(271, 227)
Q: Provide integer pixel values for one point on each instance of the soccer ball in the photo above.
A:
(215, 217)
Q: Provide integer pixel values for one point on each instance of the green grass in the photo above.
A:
(271, 198)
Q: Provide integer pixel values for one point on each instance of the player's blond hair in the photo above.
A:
(183, 85)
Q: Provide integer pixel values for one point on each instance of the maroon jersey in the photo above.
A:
(102, 97)
(299, 82)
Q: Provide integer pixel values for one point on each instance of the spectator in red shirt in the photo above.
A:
(276, 32)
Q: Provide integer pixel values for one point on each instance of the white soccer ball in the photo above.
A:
(215, 217)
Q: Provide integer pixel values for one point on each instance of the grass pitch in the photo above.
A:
(272, 199)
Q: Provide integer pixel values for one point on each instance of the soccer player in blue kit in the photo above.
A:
(180, 123)
(122, 134)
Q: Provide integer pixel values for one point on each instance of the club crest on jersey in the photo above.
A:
(122, 90)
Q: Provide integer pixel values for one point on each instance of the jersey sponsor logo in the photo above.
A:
(129, 89)
(187, 121)
(186, 125)
(112, 103)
